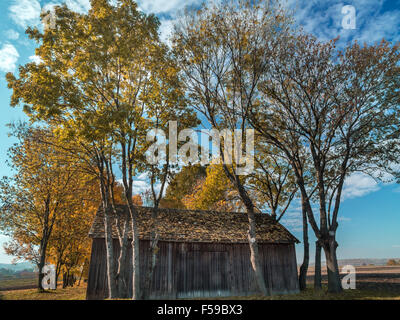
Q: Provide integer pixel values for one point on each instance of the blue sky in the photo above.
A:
(370, 213)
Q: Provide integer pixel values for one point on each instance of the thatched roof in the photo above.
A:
(198, 226)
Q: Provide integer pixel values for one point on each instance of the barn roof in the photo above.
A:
(198, 226)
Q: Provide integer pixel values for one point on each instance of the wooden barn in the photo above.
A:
(202, 254)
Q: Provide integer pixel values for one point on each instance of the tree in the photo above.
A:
(393, 262)
(166, 106)
(339, 111)
(69, 245)
(223, 51)
(43, 189)
(181, 184)
(272, 180)
(214, 192)
(95, 83)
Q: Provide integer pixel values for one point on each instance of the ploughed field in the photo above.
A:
(381, 278)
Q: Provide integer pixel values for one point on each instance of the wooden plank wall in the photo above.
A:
(189, 270)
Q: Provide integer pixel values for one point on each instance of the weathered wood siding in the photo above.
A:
(187, 270)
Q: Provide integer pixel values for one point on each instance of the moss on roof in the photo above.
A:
(198, 226)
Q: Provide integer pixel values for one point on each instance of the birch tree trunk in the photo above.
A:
(135, 260)
(112, 286)
(254, 253)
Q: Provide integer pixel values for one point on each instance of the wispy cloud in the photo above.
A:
(165, 6)
(11, 34)
(140, 184)
(359, 185)
(80, 6)
(324, 20)
(8, 58)
(35, 59)
(25, 12)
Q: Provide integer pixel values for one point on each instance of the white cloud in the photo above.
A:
(385, 26)
(8, 58)
(324, 20)
(12, 34)
(170, 8)
(359, 185)
(25, 12)
(166, 29)
(36, 59)
(80, 6)
(140, 186)
(165, 6)
(143, 176)
(293, 224)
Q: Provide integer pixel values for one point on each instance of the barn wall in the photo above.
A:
(187, 270)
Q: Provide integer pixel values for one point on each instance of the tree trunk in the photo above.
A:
(58, 270)
(306, 246)
(254, 253)
(136, 295)
(65, 276)
(80, 276)
(112, 286)
(329, 247)
(317, 272)
(122, 282)
(135, 261)
(41, 275)
(255, 257)
(42, 260)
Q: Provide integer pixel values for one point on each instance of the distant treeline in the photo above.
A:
(366, 262)
(7, 273)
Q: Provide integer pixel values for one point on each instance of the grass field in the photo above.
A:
(75, 293)
(16, 283)
(79, 293)
(311, 294)
(373, 283)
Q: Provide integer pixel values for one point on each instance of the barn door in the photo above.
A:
(203, 274)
